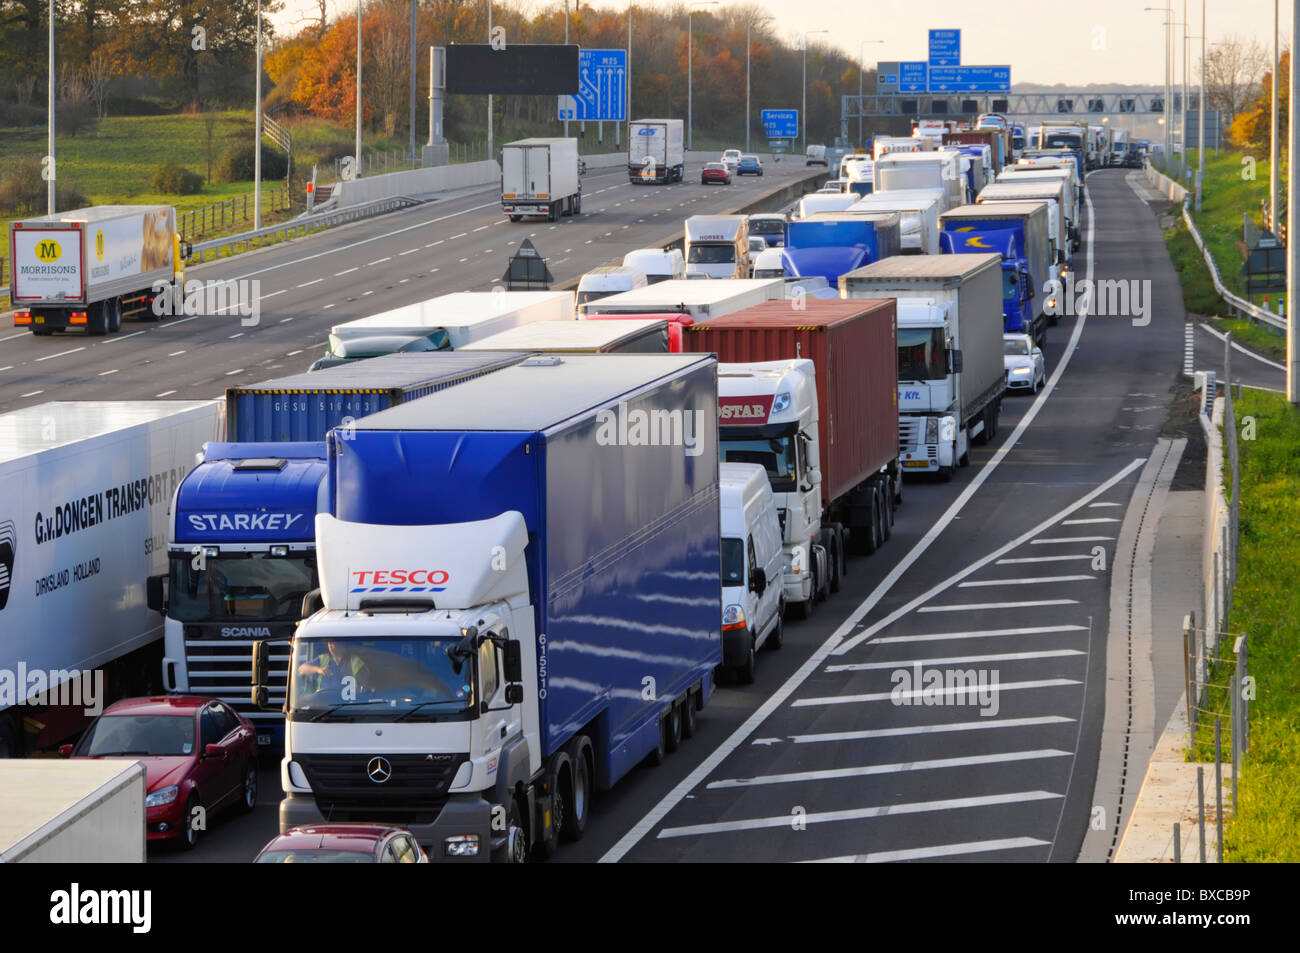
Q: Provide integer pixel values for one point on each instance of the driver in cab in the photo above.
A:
(336, 669)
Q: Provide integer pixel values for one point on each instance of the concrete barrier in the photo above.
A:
(1165, 185)
(606, 160)
(415, 182)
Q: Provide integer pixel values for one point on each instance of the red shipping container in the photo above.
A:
(988, 137)
(853, 344)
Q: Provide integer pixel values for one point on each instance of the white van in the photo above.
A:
(658, 264)
(767, 264)
(753, 592)
(609, 280)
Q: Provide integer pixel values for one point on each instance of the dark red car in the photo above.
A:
(343, 844)
(200, 756)
(715, 172)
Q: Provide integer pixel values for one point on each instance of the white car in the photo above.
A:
(731, 159)
(1026, 369)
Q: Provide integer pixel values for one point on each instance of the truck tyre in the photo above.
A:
(515, 218)
(248, 795)
(559, 780)
(882, 492)
(577, 204)
(551, 213)
(114, 307)
(889, 506)
(745, 670)
(97, 319)
(578, 808)
(675, 726)
(516, 849)
(660, 753)
(871, 536)
(688, 716)
(42, 331)
(945, 473)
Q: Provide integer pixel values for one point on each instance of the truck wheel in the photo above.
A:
(114, 307)
(833, 553)
(889, 507)
(559, 780)
(945, 473)
(579, 806)
(97, 319)
(657, 757)
(871, 539)
(516, 851)
(577, 204)
(688, 716)
(745, 670)
(550, 212)
(41, 332)
(515, 218)
(884, 514)
(675, 727)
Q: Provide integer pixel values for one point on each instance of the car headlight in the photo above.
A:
(165, 796)
(781, 402)
(1022, 370)
(461, 845)
(932, 430)
(733, 617)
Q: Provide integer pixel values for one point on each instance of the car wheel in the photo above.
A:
(745, 670)
(190, 832)
(248, 797)
(776, 638)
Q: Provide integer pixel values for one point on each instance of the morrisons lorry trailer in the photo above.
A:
(90, 267)
(1018, 232)
(654, 151)
(832, 243)
(241, 540)
(811, 395)
(83, 522)
(950, 365)
(72, 812)
(530, 617)
(541, 177)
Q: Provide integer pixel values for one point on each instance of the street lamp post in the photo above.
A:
(1293, 216)
(862, 68)
(257, 133)
(748, 27)
(356, 171)
(1273, 139)
(489, 137)
(1200, 119)
(49, 185)
(690, 86)
(803, 118)
(1169, 151)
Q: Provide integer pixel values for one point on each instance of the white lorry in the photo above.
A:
(1118, 147)
(919, 211)
(90, 267)
(717, 246)
(541, 177)
(1053, 191)
(655, 152)
(83, 523)
(888, 145)
(696, 299)
(923, 170)
(72, 812)
(950, 368)
(1069, 195)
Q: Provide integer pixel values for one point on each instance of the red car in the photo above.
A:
(715, 172)
(343, 844)
(198, 753)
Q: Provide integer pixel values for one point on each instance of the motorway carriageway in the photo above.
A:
(459, 243)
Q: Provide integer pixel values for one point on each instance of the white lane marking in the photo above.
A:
(308, 284)
(979, 634)
(285, 320)
(1238, 347)
(292, 353)
(7, 367)
(1093, 506)
(859, 814)
(345, 271)
(32, 393)
(432, 270)
(868, 734)
(20, 334)
(869, 770)
(233, 336)
(1095, 519)
(980, 606)
(403, 281)
(921, 693)
(328, 306)
(379, 261)
(365, 294)
(952, 660)
(123, 337)
(106, 373)
(238, 370)
(409, 251)
(165, 393)
(482, 227)
(262, 298)
(1001, 551)
(1073, 539)
(454, 237)
(1041, 559)
(433, 244)
(930, 853)
(50, 357)
(1029, 581)
(175, 353)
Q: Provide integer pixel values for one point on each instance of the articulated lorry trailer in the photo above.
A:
(832, 243)
(950, 365)
(90, 267)
(655, 153)
(241, 541)
(1018, 232)
(520, 601)
(812, 396)
(83, 522)
(541, 177)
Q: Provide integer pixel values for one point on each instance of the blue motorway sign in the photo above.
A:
(780, 123)
(970, 79)
(945, 47)
(912, 77)
(602, 87)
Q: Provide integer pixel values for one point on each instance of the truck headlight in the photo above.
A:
(165, 796)
(461, 845)
(932, 430)
(733, 617)
(782, 402)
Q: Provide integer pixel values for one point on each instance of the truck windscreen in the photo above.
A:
(776, 455)
(921, 354)
(712, 254)
(1058, 140)
(254, 587)
(766, 226)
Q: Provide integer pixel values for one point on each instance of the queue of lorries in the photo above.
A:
(495, 549)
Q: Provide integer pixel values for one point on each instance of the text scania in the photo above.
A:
(273, 522)
(115, 501)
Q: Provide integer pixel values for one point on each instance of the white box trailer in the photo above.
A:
(448, 321)
(72, 812)
(919, 211)
(83, 523)
(655, 151)
(632, 336)
(922, 170)
(541, 177)
(1054, 192)
(699, 299)
(90, 267)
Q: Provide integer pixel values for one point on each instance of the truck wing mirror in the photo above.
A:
(514, 661)
(259, 664)
(156, 590)
(954, 360)
(514, 693)
(312, 603)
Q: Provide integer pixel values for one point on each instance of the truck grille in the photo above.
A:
(224, 669)
(910, 432)
(415, 792)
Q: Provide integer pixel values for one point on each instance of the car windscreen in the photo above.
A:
(1015, 348)
(139, 735)
(315, 857)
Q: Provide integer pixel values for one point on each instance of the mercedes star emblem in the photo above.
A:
(379, 770)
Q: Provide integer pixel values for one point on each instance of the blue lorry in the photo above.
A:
(1018, 231)
(830, 244)
(241, 541)
(520, 589)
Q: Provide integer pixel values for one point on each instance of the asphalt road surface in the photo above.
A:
(310, 284)
(1005, 572)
